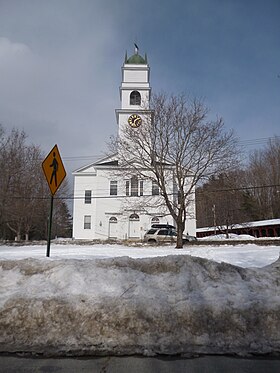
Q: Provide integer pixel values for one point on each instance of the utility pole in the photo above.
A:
(214, 218)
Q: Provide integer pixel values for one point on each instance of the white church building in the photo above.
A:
(107, 204)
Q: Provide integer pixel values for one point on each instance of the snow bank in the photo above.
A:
(164, 305)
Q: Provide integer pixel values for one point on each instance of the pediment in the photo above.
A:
(107, 161)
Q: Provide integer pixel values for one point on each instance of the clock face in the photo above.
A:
(135, 121)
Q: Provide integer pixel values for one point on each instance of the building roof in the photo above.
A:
(107, 161)
(251, 224)
(136, 58)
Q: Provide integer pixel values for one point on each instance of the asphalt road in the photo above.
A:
(206, 364)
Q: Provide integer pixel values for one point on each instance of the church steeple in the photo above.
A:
(134, 91)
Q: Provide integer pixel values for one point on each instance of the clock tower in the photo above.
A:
(134, 92)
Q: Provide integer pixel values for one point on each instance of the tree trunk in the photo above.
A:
(17, 231)
(180, 230)
(18, 237)
(227, 225)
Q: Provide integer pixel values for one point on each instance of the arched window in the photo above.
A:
(113, 219)
(135, 98)
(155, 220)
(134, 217)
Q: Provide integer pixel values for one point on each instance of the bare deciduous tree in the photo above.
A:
(263, 175)
(177, 144)
(24, 192)
(245, 195)
(223, 202)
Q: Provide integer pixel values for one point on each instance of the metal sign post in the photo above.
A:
(50, 228)
(55, 173)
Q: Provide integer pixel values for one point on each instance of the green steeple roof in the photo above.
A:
(136, 59)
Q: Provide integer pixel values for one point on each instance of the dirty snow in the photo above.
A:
(113, 299)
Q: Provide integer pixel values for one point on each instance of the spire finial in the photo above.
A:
(136, 49)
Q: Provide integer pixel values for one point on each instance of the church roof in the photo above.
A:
(136, 58)
(107, 161)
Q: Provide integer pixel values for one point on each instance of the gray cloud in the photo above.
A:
(60, 64)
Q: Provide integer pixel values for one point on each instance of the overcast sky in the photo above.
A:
(60, 65)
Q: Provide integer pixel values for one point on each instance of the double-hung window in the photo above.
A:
(87, 222)
(113, 188)
(87, 196)
(141, 187)
(155, 189)
(127, 188)
(134, 187)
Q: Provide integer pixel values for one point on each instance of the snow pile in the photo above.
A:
(164, 305)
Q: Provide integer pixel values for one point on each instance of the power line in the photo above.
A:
(82, 158)
(248, 142)
(238, 189)
(72, 197)
(259, 141)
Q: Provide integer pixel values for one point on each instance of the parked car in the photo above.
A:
(165, 235)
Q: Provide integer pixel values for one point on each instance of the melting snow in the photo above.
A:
(140, 300)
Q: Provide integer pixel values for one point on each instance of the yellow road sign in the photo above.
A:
(54, 169)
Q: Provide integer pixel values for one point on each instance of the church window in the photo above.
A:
(135, 98)
(113, 188)
(155, 188)
(113, 219)
(155, 220)
(87, 222)
(134, 217)
(127, 188)
(134, 186)
(141, 185)
(179, 197)
(87, 196)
